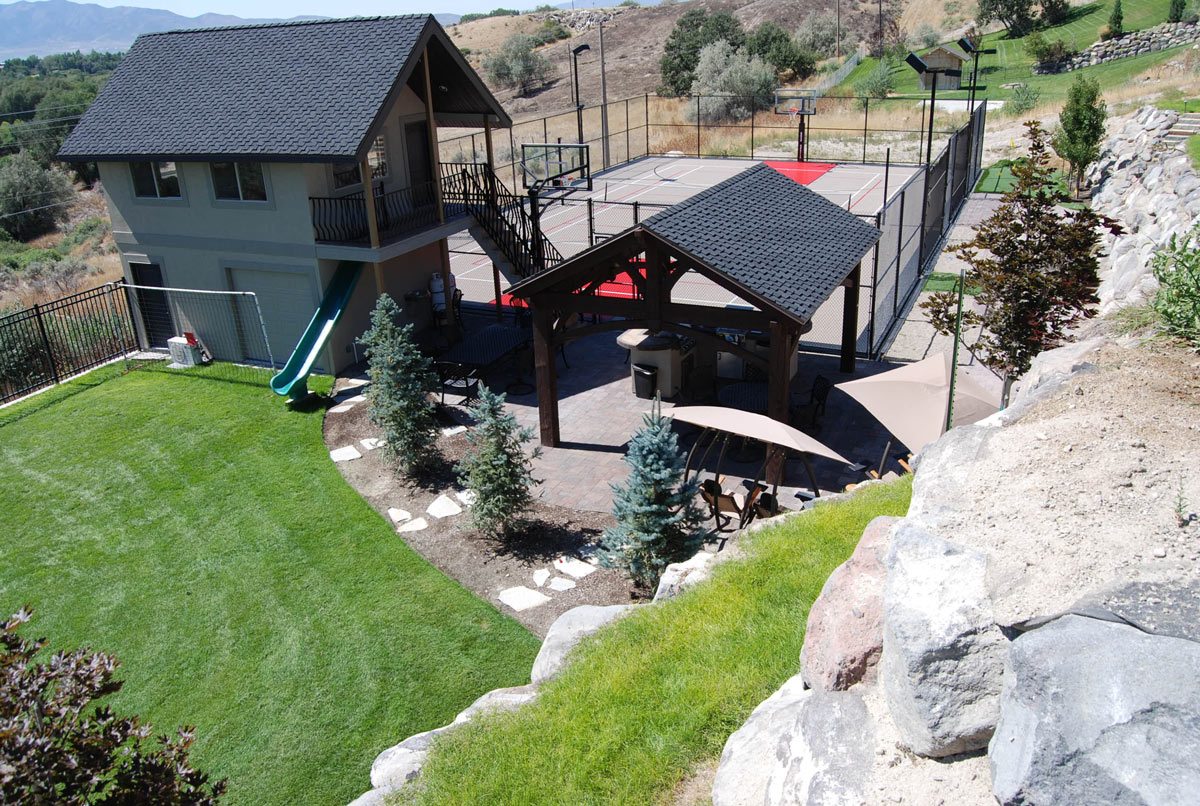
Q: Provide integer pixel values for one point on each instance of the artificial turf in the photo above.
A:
(196, 529)
(659, 692)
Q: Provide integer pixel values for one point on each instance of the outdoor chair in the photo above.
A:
(458, 380)
(562, 326)
(807, 415)
(723, 506)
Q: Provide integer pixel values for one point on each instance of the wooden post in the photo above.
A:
(545, 376)
(431, 126)
(778, 390)
(850, 320)
(364, 169)
(655, 268)
(487, 142)
(496, 285)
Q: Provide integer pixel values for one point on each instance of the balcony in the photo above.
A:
(399, 214)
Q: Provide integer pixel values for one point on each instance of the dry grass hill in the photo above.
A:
(633, 41)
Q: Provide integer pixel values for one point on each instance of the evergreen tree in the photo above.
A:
(498, 470)
(401, 377)
(658, 521)
(1116, 20)
(1177, 10)
(1034, 264)
(681, 53)
(1081, 126)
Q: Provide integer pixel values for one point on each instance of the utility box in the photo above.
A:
(183, 354)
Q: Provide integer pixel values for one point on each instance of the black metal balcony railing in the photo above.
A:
(343, 219)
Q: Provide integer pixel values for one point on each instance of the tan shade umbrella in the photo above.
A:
(911, 401)
(754, 426)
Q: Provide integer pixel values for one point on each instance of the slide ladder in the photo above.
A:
(292, 380)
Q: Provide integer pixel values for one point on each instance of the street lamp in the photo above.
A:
(917, 63)
(969, 47)
(578, 103)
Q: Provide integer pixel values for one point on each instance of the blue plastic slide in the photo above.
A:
(292, 380)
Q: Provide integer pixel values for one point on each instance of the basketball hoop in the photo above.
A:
(793, 113)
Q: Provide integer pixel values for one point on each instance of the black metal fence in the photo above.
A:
(843, 129)
(45, 344)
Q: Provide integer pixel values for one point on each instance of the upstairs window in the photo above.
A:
(155, 180)
(239, 181)
(376, 158)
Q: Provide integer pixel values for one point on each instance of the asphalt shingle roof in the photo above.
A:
(771, 235)
(292, 91)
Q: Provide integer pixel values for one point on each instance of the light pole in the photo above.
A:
(917, 63)
(969, 46)
(578, 103)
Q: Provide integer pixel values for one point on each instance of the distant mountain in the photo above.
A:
(59, 26)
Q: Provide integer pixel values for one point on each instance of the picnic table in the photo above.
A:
(482, 348)
(744, 395)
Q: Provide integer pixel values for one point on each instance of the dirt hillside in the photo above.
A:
(633, 41)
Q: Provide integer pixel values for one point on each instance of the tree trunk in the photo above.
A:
(1006, 391)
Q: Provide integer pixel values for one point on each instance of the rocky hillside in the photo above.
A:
(633, 41)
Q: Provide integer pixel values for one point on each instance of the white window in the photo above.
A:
(155, 180)
(239, 181)
(376, 158)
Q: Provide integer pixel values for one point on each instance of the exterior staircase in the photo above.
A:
(1187, 125)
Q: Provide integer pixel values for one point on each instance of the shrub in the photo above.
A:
(1116, 20)
(550, 31)
(498, 471)
(926, 35)
(818, 34)
(1177, 301)
(774, 46)
(694, 30)
(57, 746)
(629, 4)
(518, 64)
(1044, 51)
(1177, 10)
(878, 83)
(1023, 99)
(33, 199)
(1104, 33)
(730, 84)
(64, 275)
(401, 377)
(658, 522)
(1055, 12)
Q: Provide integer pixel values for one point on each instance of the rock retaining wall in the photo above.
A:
(1135, 43)
(1146, 182)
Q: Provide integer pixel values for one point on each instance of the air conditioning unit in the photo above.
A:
(183, 354)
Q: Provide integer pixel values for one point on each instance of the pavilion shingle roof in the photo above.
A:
(771, 235)
(306, 91)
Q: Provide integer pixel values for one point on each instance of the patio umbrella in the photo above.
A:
(754, 426)
(911, 401)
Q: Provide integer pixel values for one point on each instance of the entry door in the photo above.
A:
(155, 311)
(416, 146)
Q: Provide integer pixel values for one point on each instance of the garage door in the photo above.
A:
(288, 300)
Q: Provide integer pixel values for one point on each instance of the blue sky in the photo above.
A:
(292, 8)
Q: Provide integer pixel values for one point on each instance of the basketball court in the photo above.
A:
(658, 182)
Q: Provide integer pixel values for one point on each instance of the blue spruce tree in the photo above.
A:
(658, 521)
(498, 470)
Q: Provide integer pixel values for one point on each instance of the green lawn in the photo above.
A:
(1011, 64)
(1193, 150)
(998, 178)
(663, 688)
(198, 530)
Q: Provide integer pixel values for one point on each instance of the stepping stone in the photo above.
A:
(560, 584)
(344, 454)
(443, 507)
(354, 400)
(573, 567)
(399, 515)
(341, 408)
(355, 383)
(453, 430)
(413, 525)
(522, 598)
(465, 497)
(371, 443)
(540, 576)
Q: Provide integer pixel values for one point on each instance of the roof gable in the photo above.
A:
(771, 236)
(306, 91)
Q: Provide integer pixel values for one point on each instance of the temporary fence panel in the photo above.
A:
(48, 343)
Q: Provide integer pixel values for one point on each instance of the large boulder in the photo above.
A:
(943, 654)
(844, 636)
(568, 630)
(677, 577)
(1098, 712)
(826, 754)
(749, 757)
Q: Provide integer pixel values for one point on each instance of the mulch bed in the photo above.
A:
(483, 563)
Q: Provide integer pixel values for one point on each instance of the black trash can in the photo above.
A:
(645, 381)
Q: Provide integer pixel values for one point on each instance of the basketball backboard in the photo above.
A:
(556, 165)
(794, 102)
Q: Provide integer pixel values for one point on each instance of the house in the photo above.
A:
(943, 57)
(263, 157)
